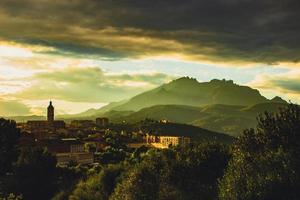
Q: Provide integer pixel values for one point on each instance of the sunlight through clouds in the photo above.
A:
(32, 74)
(10, 51)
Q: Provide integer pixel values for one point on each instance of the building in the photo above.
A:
(41, 126)
(161, 142)
(63, 159)
(98, 142)
(26, 139)
(67, 150)
(166, 141)
(83, 124)
(68, 145)
(37, 124)
(50, 113)
(102, 121)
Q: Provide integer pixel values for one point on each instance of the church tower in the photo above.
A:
(50, 113)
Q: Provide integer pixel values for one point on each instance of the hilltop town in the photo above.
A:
(82, 141)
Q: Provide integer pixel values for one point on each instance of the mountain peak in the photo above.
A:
(223, 81)
(278, 99)
(190, 80)
(185, 79)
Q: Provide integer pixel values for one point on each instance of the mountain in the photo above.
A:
(278, 99)
(26, 118)
(188, 91)
(87, 113)
(92, 112)
(174, 113)
(235, 121)
(228, 119)
(217, 105)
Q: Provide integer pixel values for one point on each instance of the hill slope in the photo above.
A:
(176, 129)
(220, 118)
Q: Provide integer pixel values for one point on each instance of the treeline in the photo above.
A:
(262, 164)
(181, 173)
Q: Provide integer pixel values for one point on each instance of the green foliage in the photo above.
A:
(142, 183)
(98, 186)
(35, 174)
(182, 173)
(111, 155)
(137, 155)
(91, 147)
(12, 197)
(115, 152)
(68, 177)
(9, 136)
(266, 162)
(200, 168)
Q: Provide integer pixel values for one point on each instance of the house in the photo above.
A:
(167, 141)
(67, 150)
(161, 142)
(82, 123)
(102, 121)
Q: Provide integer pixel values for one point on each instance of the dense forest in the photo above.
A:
(261, 164)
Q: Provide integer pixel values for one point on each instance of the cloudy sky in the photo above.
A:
(86, 53)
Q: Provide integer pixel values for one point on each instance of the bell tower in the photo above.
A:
(50, 113)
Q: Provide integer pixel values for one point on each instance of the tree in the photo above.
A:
(141, 183)
(198, 170)
(35, 174)
(9, 136)
(99, 186)
(266, 161)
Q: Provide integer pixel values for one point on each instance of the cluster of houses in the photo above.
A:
(68, 148)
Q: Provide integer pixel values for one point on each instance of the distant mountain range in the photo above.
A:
(218, 105)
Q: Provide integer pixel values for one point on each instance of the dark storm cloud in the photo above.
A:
(75, 50)
(236, 30)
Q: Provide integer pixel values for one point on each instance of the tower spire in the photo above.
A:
(50, 112)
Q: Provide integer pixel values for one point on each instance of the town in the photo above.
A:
(81, 141)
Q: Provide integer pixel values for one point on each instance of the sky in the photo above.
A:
(84, 54)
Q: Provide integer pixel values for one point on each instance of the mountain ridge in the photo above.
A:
(188, 91)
